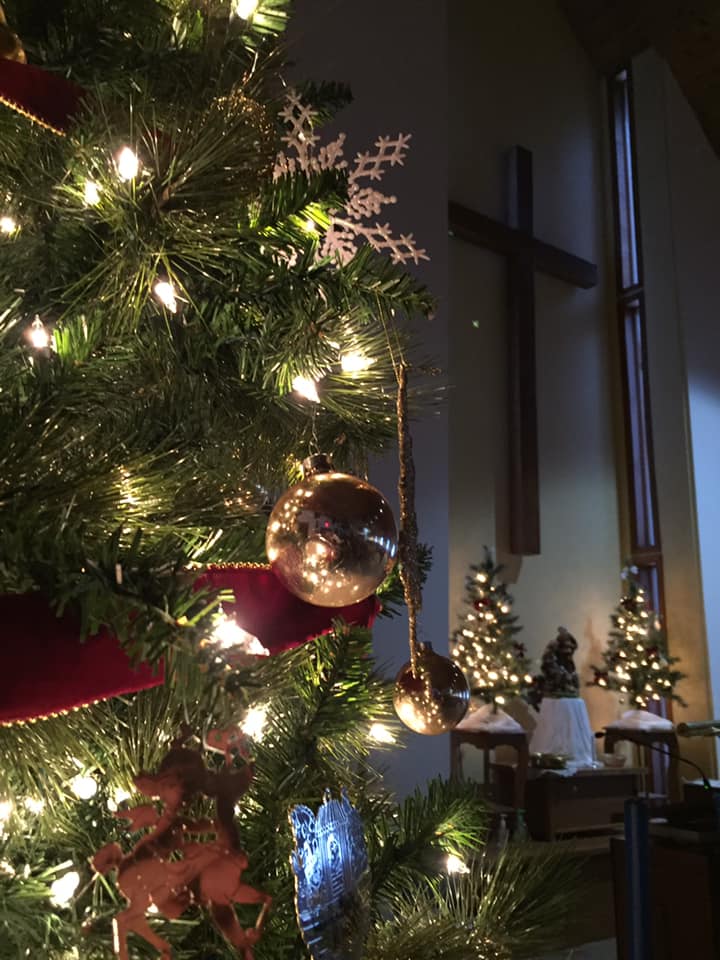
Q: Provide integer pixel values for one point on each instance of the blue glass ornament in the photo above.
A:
(330, 864)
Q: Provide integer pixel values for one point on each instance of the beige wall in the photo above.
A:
(679, 188)
(518, 76)
(394, 55)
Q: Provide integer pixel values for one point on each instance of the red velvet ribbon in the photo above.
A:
(47, 670)
(279, 619)
(45, 97)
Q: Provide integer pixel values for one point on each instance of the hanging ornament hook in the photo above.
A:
(408, 543)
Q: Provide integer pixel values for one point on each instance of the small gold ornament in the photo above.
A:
(331, 539)
(10, 46)
(434, 697)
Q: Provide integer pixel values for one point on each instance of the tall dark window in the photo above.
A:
(644, 533)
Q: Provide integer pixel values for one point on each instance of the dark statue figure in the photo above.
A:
(558, 677)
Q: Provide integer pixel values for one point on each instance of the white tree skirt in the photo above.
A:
(563, 728)
(485, 718)
(640, 720)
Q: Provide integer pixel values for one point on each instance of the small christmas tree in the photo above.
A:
(636, 662)
(484, 646)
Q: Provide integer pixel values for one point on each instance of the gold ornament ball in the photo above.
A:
(435, 698)
(331, 539)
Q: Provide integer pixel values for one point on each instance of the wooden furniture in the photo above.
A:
(646, 739)
(684, 894)
(587, 801)
(487, 741)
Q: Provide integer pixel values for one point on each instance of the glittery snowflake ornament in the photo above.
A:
(330, 864)
(355, 222)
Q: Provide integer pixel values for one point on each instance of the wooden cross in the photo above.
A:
(525, 254)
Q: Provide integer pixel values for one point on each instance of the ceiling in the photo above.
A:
(686, 33)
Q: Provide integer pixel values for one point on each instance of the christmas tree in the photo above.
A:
(636, 662)
(484, 646)
(195, 295)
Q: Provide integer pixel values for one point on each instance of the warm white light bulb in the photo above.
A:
(117, 798)
(6, 809)
(307, 388)
(127, 163)
(39, 335)
(381, 734)
(355, 362)
(166, 293)
(62, 889)
(245, 8)
(253, 725)
(229, 635)
(91, 193)
(8, 225)
(84, 787)
(454, 864)
(34, 804)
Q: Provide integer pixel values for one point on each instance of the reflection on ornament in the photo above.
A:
(331, 539)
(435, 698)
(330, 864)
(127, 164)
(62, 889)
(91, 193)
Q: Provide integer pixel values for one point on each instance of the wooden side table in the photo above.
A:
(488, 740)
(648, 739)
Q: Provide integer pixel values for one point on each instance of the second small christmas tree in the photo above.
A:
(636, 662)
(485, 646)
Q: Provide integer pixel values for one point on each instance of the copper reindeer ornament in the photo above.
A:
(175, 865)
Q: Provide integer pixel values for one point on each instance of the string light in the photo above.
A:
(117, 798)
(8, 225)
(127, 164)
(355, 362)
(166, 293)
(229, 635)
(309, 226)
(91, 193)
(307, 388)
(245, 8)
(253, 725)
(39, 335)
(6, 809)
(453, 864)
(381, 734)
(62, 889)
(83, 786)
(34, 805)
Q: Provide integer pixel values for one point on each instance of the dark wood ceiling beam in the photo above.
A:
(686, 33)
